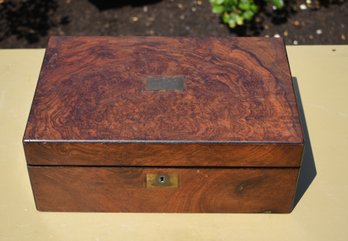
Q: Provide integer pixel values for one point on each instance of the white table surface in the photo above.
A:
(320, 214)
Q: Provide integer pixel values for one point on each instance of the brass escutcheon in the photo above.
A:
(162, 180)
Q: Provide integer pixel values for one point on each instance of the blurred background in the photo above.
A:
(28, 23)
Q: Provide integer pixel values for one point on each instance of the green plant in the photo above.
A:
(236, 12)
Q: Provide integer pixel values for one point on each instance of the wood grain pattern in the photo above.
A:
(200, 190)
(111, 154)
(235, 90)
(94, 130)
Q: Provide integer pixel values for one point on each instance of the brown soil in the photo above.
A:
(27, 24)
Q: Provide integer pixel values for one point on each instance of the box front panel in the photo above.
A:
(127, 189)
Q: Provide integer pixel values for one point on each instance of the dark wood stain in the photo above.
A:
(110, 189)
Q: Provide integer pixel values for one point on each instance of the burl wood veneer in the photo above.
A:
(219, 113)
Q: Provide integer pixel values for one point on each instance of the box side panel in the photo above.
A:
(110, 154)
(115, 189)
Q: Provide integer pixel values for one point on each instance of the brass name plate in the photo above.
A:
(162, 181)
(165, 83)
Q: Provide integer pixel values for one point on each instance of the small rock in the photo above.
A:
(182, 16)
(319, 31)
(199, 2)
(303, 7)
(296, 23)
(145, 9)
(151, 32)
(285, 33)
(135, 19)
(60, 31)
(310, 36)
(295, 42)
(187, 28)
(276, 35)
(180, 5)
(308, 2)
(267, 36)
(266, 26)
(193, 9)
(343, 37)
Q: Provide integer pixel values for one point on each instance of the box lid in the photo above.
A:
(139, 97)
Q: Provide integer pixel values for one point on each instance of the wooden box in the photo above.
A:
(159, 124)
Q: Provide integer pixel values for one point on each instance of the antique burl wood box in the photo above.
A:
(158, 124)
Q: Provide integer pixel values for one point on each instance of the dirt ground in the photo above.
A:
(27, 24)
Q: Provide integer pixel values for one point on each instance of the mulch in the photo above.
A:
(28, 23)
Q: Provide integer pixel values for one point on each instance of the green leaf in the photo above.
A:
(226, 18)
(218, 9)
(239, 20)
(254, 8)
(246, 1)
(244, 6)
(231, 23)
(248, 15)
(236, 12)
(217, 2)
(278, 3)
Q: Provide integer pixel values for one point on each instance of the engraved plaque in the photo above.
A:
(165, 83)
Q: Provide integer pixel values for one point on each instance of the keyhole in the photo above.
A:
(162, 179)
